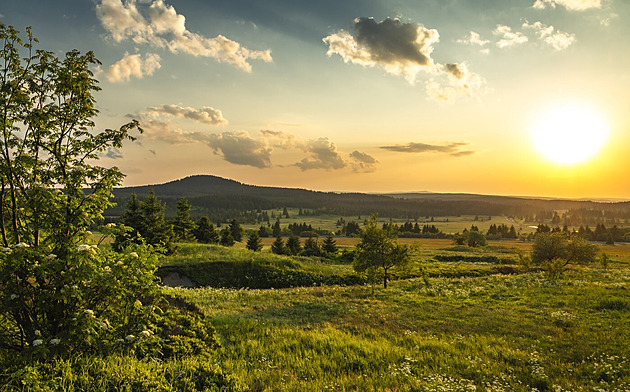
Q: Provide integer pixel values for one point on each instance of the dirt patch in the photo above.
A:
(175, 279)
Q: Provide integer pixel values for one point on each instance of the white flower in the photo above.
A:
(119, 262)
(120, 340)
(129, 337)
(89, 313)
(146, 333)
(6, 250)
(38, 333)
(51, 256)
(134, 255)
(37, 342)
(84, 248)
(54, 342)
(14, 296)
(22, 245)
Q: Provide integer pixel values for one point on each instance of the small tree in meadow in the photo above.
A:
(205, 232)
(293, 245)
(226, 237)
(254, 242)
(183, 226)
(329, 246)
(554, 252)
(278, 247)
(378, 252)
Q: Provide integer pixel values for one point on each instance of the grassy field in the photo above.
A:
(447, 224)
(476, 329)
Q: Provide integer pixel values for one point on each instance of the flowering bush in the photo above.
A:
(87, 300)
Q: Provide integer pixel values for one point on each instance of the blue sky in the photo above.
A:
(354, 95)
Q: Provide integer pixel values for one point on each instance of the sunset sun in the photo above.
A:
(569, 135)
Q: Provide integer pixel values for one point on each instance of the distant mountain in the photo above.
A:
(222, 199)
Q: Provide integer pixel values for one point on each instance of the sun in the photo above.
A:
(569, 135)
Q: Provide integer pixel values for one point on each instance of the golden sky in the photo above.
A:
(380, 96)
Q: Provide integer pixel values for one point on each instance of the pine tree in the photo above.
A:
(276, 228)
(329, 245)
(205, 231)
(278, 247)
(236, 230)
(311, 247)
(154, 229)
(293, 245)
(254, 242)
(226, 237)
(183, 226)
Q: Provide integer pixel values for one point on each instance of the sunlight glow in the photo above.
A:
(569, 135)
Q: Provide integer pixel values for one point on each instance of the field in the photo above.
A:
(472, 326)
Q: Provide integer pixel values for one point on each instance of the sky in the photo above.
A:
(359, 96)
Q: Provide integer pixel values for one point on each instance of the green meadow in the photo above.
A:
(462, 326)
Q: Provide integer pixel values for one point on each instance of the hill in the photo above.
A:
(223, 199)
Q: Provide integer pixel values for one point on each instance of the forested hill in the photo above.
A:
(222, 198)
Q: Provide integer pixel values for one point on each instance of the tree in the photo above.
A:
(276, 228)
(329, 246)
(293, 245)
(254, 242)
(226, 237)
(183, 226)
(55, 284)
(278, 247)
(377, 251)
(236, 230)
(474, 238)
(154, 229)
(205, 231)
(554, 251)
(311, 247)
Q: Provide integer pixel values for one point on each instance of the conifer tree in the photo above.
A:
(236, 230)
(254, 242)
(329, 245)
(293, 245)
(183, 226)
(278, 247)
(226, 237)
(311, 247)
(205, 231)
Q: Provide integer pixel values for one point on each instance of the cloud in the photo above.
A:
(571, 5)
(473, 39)
(459, 82)
(205, 115)
(133, 65)
(558, 40)
(362, 162)
(240, 148)
(158, 24)
(509, 38)
(397, 47)
(323, 154)
(453, 149)
(113, 153)
(282, 140)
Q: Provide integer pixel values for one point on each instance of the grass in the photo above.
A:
(471, 328)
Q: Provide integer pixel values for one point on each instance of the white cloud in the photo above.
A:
(453, 148)
(559, 40)
(323, 154)
(473, 39)
(362, 162)
(397, 47)
(133, 65)
(509, 38)
(158, 24)
(205, 115)
(240, 148)
(571, 5)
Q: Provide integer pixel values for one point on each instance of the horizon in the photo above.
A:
(529, 97)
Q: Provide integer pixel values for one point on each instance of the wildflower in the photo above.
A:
(120, 340)
(84, 248)
(14, 296)
(6, 250)
(37, 342)
(129, 338)
(107, 268)
(37, 332)
(146, 333)
(138, 303)
(134, 255)
(22, 245)
(89, 313)
(88, 233)
(55, 341)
